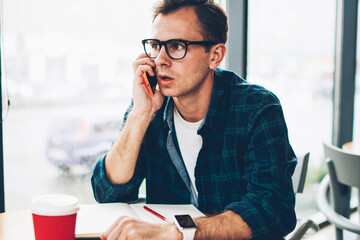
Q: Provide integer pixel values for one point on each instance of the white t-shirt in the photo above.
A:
(190, 143)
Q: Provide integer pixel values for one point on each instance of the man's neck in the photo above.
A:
(194, 107)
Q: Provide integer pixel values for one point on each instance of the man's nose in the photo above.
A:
(162, 57)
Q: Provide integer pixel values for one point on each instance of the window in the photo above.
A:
(291, 52)
(68, 71)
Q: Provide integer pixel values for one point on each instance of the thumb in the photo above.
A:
(102, 236)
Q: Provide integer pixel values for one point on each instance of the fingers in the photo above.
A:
(143, 100)
(115, 229)
(102, 236)
(142, 55)
(142, 59)
(130, 228)
(141, 65)
(139, 77)
(120, 229)
(105, 235)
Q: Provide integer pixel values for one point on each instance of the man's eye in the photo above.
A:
(155, 46)
(176, 46)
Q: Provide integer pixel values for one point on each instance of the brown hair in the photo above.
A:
(212, 18)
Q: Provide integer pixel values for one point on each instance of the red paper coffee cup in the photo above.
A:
(54, 216)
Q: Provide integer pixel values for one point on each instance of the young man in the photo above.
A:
(206, 137)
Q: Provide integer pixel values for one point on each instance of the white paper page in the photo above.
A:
(96, 218)
(166, 210)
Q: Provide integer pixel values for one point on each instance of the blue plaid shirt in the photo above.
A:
(245, 164)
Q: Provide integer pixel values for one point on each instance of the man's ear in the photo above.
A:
(217, 54)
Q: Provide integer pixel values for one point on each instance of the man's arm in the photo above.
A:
(121, 159)
(118, 175)
(268, 162)
(227, 225)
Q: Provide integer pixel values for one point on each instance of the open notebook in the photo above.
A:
(93, 219)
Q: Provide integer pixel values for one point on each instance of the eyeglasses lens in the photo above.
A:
(175, 49)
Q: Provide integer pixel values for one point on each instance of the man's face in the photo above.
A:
(187, 76)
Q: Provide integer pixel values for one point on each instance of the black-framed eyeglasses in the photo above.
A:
(175, 48)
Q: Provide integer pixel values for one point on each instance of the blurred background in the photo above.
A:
(67, 70)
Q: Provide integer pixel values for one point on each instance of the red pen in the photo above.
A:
(156, 214)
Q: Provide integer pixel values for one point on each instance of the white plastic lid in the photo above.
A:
(54, 205)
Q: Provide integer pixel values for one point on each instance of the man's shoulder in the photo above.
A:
(238, 90)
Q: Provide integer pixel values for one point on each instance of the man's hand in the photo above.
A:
(129, 228)
(227, 225)
(143, 102)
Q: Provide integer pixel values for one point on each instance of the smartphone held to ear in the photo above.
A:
(150, 83)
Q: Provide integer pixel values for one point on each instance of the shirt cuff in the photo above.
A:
(105, 191)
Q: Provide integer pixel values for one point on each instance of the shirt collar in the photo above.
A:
(168, 116)
(214, 115)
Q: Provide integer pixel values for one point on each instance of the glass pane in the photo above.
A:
(356, 132)
(291, 52)
(68, 71)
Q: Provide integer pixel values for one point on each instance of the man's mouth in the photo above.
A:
(165, 78)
